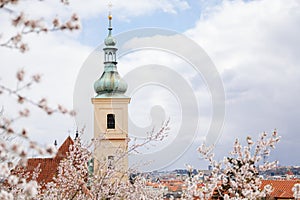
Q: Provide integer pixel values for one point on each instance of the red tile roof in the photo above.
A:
(64, 148)
(48, 166)
(281, 188)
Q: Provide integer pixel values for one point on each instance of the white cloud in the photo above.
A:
(127, 9)
(255, 46)
(58, 58)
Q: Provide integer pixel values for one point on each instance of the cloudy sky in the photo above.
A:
(254, 46)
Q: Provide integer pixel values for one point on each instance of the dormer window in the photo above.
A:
(110, 121)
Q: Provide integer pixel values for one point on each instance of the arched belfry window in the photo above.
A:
(110, 121)
(110, 56)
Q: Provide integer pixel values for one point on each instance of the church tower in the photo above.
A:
(110, 114)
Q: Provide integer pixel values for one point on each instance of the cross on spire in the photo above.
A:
(110, 5)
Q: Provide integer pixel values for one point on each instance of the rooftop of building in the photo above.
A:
(47, 166)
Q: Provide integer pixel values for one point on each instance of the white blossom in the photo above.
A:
(31, 189)
(4, 195)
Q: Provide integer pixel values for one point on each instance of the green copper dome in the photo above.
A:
(110, 84)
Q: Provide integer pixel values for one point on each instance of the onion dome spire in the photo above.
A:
(110, 84)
